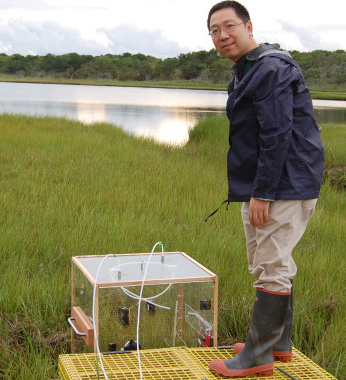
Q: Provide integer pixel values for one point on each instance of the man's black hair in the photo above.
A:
(239, 9)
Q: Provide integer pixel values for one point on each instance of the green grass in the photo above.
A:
(328, 94)
(335, 170)
(69, 189)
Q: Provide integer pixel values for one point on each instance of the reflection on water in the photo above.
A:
(165, 115)
(164, 124)
(89, 113)
(330, 115)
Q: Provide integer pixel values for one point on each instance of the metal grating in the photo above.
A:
(179, 363)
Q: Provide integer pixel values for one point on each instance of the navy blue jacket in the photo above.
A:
(275, 150)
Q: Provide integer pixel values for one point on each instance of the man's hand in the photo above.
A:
(258, 212)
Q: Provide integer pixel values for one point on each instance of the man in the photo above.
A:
(274, 165)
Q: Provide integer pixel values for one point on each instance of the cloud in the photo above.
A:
(29, 37)
(127, 38)
(307, 37)
(293, 37)
(46, 5)
(9, 4)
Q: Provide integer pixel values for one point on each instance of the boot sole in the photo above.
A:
(219, 367)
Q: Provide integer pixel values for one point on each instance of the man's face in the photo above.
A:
(235, 44)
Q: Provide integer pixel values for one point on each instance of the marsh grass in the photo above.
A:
(70, 189)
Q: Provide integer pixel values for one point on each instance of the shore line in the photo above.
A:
(317, 94)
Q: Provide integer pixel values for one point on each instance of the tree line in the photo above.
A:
(320, 67)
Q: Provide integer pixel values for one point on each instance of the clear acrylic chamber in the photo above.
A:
(178, 302)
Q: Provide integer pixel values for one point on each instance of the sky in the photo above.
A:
(161, 28)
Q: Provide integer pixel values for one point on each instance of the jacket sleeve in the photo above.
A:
(273, 102)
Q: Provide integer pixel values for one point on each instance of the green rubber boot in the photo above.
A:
(266, 328)
(282, 350)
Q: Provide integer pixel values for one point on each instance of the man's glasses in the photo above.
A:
(215, 33)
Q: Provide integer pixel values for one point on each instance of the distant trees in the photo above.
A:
(320, 67)
(167, 69)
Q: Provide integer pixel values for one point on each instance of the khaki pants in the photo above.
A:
(270, 247)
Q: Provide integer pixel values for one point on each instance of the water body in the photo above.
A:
(165, 115)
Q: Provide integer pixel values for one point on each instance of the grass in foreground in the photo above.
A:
(68, 189)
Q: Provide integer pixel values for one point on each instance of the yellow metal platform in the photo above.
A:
(175, 364)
